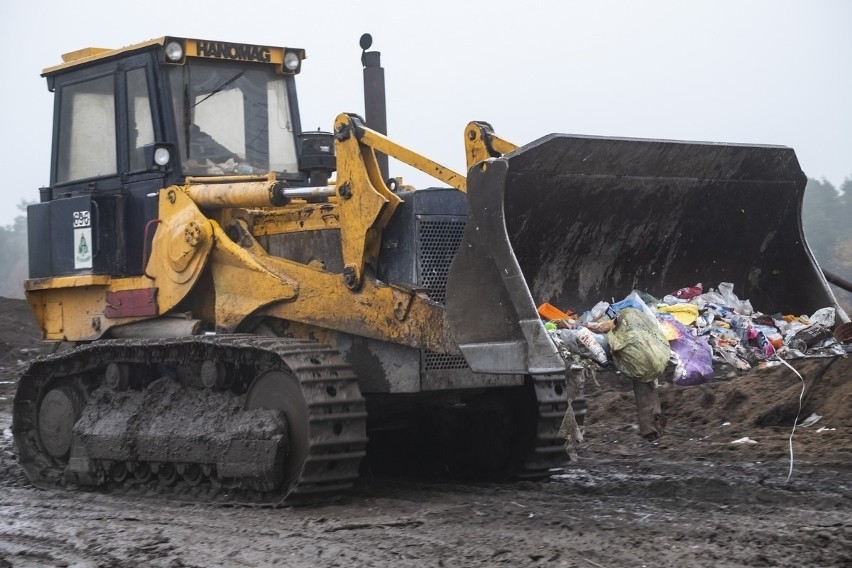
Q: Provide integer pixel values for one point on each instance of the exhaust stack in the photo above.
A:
(375, 107)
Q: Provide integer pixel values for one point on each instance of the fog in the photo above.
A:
(775, 72)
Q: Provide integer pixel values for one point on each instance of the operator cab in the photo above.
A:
(131, 121)
(232, 118)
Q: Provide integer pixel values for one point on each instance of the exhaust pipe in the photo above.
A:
(375, 107)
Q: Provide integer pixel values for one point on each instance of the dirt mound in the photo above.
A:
(770, 397)
(709, 421)
(18, 328)
(20, 341)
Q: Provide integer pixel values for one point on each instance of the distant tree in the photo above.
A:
(827, 221)
(819, 213)
(13, 256)
(842, 256)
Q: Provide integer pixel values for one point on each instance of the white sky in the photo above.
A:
(771, 71)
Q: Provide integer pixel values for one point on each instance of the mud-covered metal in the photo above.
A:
(284, 419)
(587, 218)
(490, 310)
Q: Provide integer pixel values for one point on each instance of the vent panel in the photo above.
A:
(438, 240)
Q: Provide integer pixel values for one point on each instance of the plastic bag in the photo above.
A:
(601, 326)
(772, 335)
(763, 345)
(704, 321)
(694, 358)
(742, 326)
(668, 327)
(823, 316)
(639, 349)
(725, 297)
(599, 311)
(634, 300)
(689, 293)
(582, 342)
(731, 299)
(730, 355)
(684, 313)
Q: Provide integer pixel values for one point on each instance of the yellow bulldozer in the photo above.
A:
(246, 301)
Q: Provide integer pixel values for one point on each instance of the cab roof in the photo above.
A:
(212, 49)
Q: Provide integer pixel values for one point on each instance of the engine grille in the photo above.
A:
(438, 240)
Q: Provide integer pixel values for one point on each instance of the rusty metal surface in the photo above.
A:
(128, 303)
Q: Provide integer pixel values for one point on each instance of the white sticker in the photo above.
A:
(82, 219)
(83, 248)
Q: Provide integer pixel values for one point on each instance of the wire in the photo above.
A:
(796, 421)
(220, 87)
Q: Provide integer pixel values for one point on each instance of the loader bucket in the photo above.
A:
(572, 220)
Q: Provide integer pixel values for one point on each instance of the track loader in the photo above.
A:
(245, 300)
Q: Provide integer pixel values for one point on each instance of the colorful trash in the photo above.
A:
(690, 334)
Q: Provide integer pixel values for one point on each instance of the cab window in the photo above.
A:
(140, 129)
(86, 144)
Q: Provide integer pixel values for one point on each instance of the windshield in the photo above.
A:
(232, 119)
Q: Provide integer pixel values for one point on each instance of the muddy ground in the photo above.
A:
(692, 499)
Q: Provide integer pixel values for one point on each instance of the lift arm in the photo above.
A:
(480, 143)
(379, 142)
(367, 204)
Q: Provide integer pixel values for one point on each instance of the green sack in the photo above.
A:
(639, 348)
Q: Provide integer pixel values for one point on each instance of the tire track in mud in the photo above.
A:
(43, 551)
(601, 512)
(419, 524)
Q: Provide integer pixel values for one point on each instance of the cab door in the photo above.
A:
(141, 126)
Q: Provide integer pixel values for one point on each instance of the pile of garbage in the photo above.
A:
(684, 334)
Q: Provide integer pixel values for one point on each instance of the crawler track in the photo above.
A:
(549, 449)
(334, 426)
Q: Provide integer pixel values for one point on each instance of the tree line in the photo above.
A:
(13, 256)
(826, 218)
(827, 221)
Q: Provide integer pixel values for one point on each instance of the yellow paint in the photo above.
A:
(275, 55)
(244, 281)
(194, 265)
(99, 53)
(83, 53)
(181, 247)
(200, 180)
(90, 54)
(67, 281)
(248, 281)
(295, 216)
(364, 202)
(383, 144)
(71, 308)
(53, 320)
(235, 194)
(480, 143)
(370, 311)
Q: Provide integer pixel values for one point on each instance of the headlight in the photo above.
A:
(291, 61)
(174, 51)
(162, 156)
